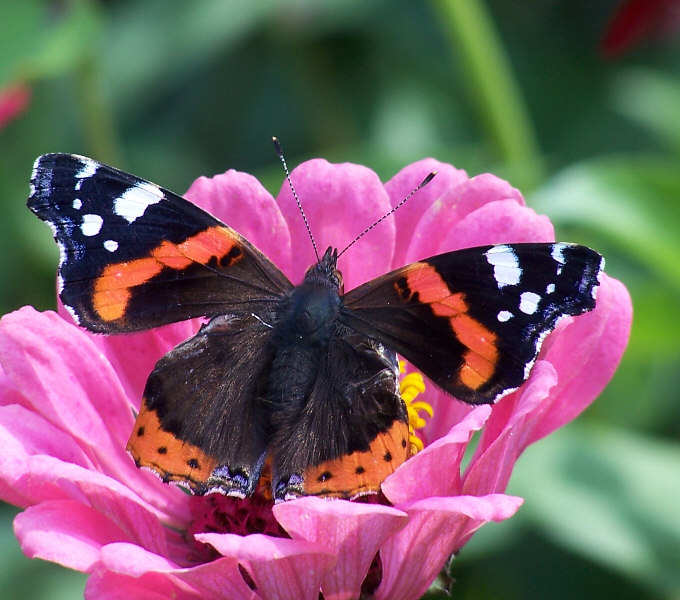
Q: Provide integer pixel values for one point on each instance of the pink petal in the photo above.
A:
(435, 471)
(503, 221)
(106, 585)
(240, 201)
(49, 479)
(65, 532)
(467, 204)
(23, 434)
(484, 189)
(57, 368)
(219, 579)
(446, 184)
(60, 374)
(8, 394)
(280, 568)
(340, 201)
(131, 559)
(498, 450)
(437, 527)
(353, 531)
(209, 580)
(586, 354)
(447, 412)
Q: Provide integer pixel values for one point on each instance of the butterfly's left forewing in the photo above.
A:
(135, 256)
(473, 320)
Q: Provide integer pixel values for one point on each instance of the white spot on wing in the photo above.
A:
(550, 288)
(558, 252)
(505, 263)
(77, 204)
(88, 168)
(111, 245)
(558, 255)
(133, 203)
(504, 316)
(528, 302)
(91, 225)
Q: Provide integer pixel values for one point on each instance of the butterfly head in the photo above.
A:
(326, 271)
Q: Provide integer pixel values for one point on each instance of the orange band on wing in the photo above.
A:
(482, 355)
(113, 288)
(174, 460)
(360, 473)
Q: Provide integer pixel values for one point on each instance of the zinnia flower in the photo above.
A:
(68, 399)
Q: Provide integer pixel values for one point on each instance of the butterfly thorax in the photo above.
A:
(304, 326)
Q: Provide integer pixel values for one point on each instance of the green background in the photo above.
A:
(171, 90)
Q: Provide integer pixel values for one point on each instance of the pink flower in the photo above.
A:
(13, 101)
(67, 402)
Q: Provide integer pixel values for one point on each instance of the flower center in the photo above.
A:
(410, 386)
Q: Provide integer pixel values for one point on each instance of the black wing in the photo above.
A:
(135, 256)
(473, 320)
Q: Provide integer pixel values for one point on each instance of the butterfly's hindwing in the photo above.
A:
(473, 320)
(206, 396)
(330, 445)
(135, 256)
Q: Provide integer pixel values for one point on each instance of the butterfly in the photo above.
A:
(301, 381)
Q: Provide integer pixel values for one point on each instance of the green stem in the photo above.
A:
(493, 87)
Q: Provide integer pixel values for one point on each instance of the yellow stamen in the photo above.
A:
(410, 387)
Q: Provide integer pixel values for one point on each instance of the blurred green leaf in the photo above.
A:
(18, 32)
(151, 45)
(609, 495)
(38, 40)
(633, 202)
(652, 100)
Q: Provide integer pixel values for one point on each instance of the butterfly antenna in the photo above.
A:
(422, 184)
(279, 152)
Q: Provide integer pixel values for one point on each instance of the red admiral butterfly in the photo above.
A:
(304, 377)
